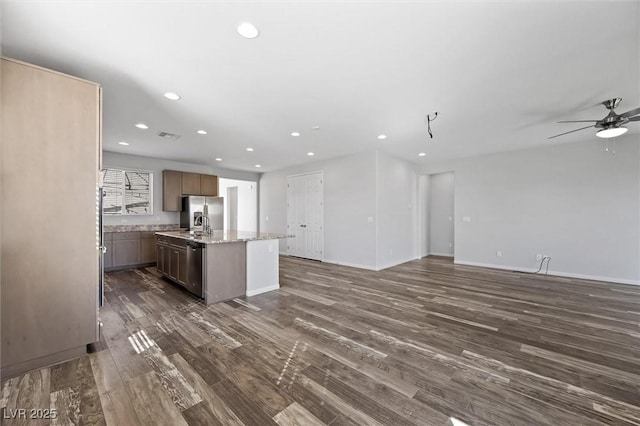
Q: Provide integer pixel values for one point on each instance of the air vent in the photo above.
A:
(171, 136)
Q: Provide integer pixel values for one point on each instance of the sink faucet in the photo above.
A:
(206, 226)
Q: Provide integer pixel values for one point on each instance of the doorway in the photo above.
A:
(232, 207)
(240, 204)
(441, 225)
(305, 215)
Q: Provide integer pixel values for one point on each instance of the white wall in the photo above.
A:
(397, 238)
(349, 200)
(247, 203)
(157, 165)
(573, 202)
(424, 214)
(441, 223)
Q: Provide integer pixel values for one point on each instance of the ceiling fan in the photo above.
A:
(610, 126)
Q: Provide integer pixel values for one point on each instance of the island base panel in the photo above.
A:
(262, 266)
(225, 271)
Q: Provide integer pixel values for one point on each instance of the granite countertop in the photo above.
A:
(143, 228)
(217, 237)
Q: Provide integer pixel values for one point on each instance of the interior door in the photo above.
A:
(305, 215)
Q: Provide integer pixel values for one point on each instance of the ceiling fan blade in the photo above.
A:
(630, 113)
(635, 118)
(566, 133)
(579, 121)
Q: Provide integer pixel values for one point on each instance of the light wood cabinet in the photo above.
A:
(190, 184)
(171, 191)
(209, 185)
(51, 156)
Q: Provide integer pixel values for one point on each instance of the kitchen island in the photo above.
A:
(221, 265)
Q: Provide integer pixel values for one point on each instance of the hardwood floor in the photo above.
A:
(418, 344)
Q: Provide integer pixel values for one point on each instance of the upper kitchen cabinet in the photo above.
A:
(209, 185)
(190, 183)
(171, 191)
(51, 155)
(176, 184)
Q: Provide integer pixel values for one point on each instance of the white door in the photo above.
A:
(305, 215)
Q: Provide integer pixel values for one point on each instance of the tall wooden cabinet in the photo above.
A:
(51, 155)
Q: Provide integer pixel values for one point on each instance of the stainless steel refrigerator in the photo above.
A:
(193, 212)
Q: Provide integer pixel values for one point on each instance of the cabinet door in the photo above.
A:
(209, 185)
(160, 255)
(50, 157)
(174, 264)
(190, 184)
(148, 250)
(166, 260)
(182, 266)
(108, 255)
(126, 252)
(171, 191)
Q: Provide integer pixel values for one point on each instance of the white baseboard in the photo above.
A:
(257, 291)
(440, 254)
(352, 265)
(554, 273)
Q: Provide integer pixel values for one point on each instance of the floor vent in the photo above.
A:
(168, 135)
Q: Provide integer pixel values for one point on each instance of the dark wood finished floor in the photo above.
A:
(415, 344)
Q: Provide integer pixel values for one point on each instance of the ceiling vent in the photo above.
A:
(171, 136)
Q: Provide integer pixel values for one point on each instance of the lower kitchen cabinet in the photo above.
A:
(129, 249)
(173, 259)
(147, 247)
(126, 252)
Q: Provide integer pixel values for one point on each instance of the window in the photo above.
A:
(127, 192)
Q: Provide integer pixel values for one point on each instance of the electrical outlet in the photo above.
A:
(538, 257)
(450, 244)
(499, 253)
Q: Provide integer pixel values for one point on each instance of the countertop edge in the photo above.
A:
(266, 236)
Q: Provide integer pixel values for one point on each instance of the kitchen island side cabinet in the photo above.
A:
(51, 156)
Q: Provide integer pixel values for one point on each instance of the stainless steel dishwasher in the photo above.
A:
(195, 251)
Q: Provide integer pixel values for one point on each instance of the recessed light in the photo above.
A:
(142, 126)
(258, 166)
(422, 154)
(315, 128)
(218, 159)
(124, 143)
(382, 136)
(310, 154)
(172, 96)
(295, 134)
(250, 149)
(248, 30)
(201, 132)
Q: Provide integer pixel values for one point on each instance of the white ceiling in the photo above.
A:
(499, 73)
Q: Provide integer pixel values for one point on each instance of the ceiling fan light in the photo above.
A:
(611, 132)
